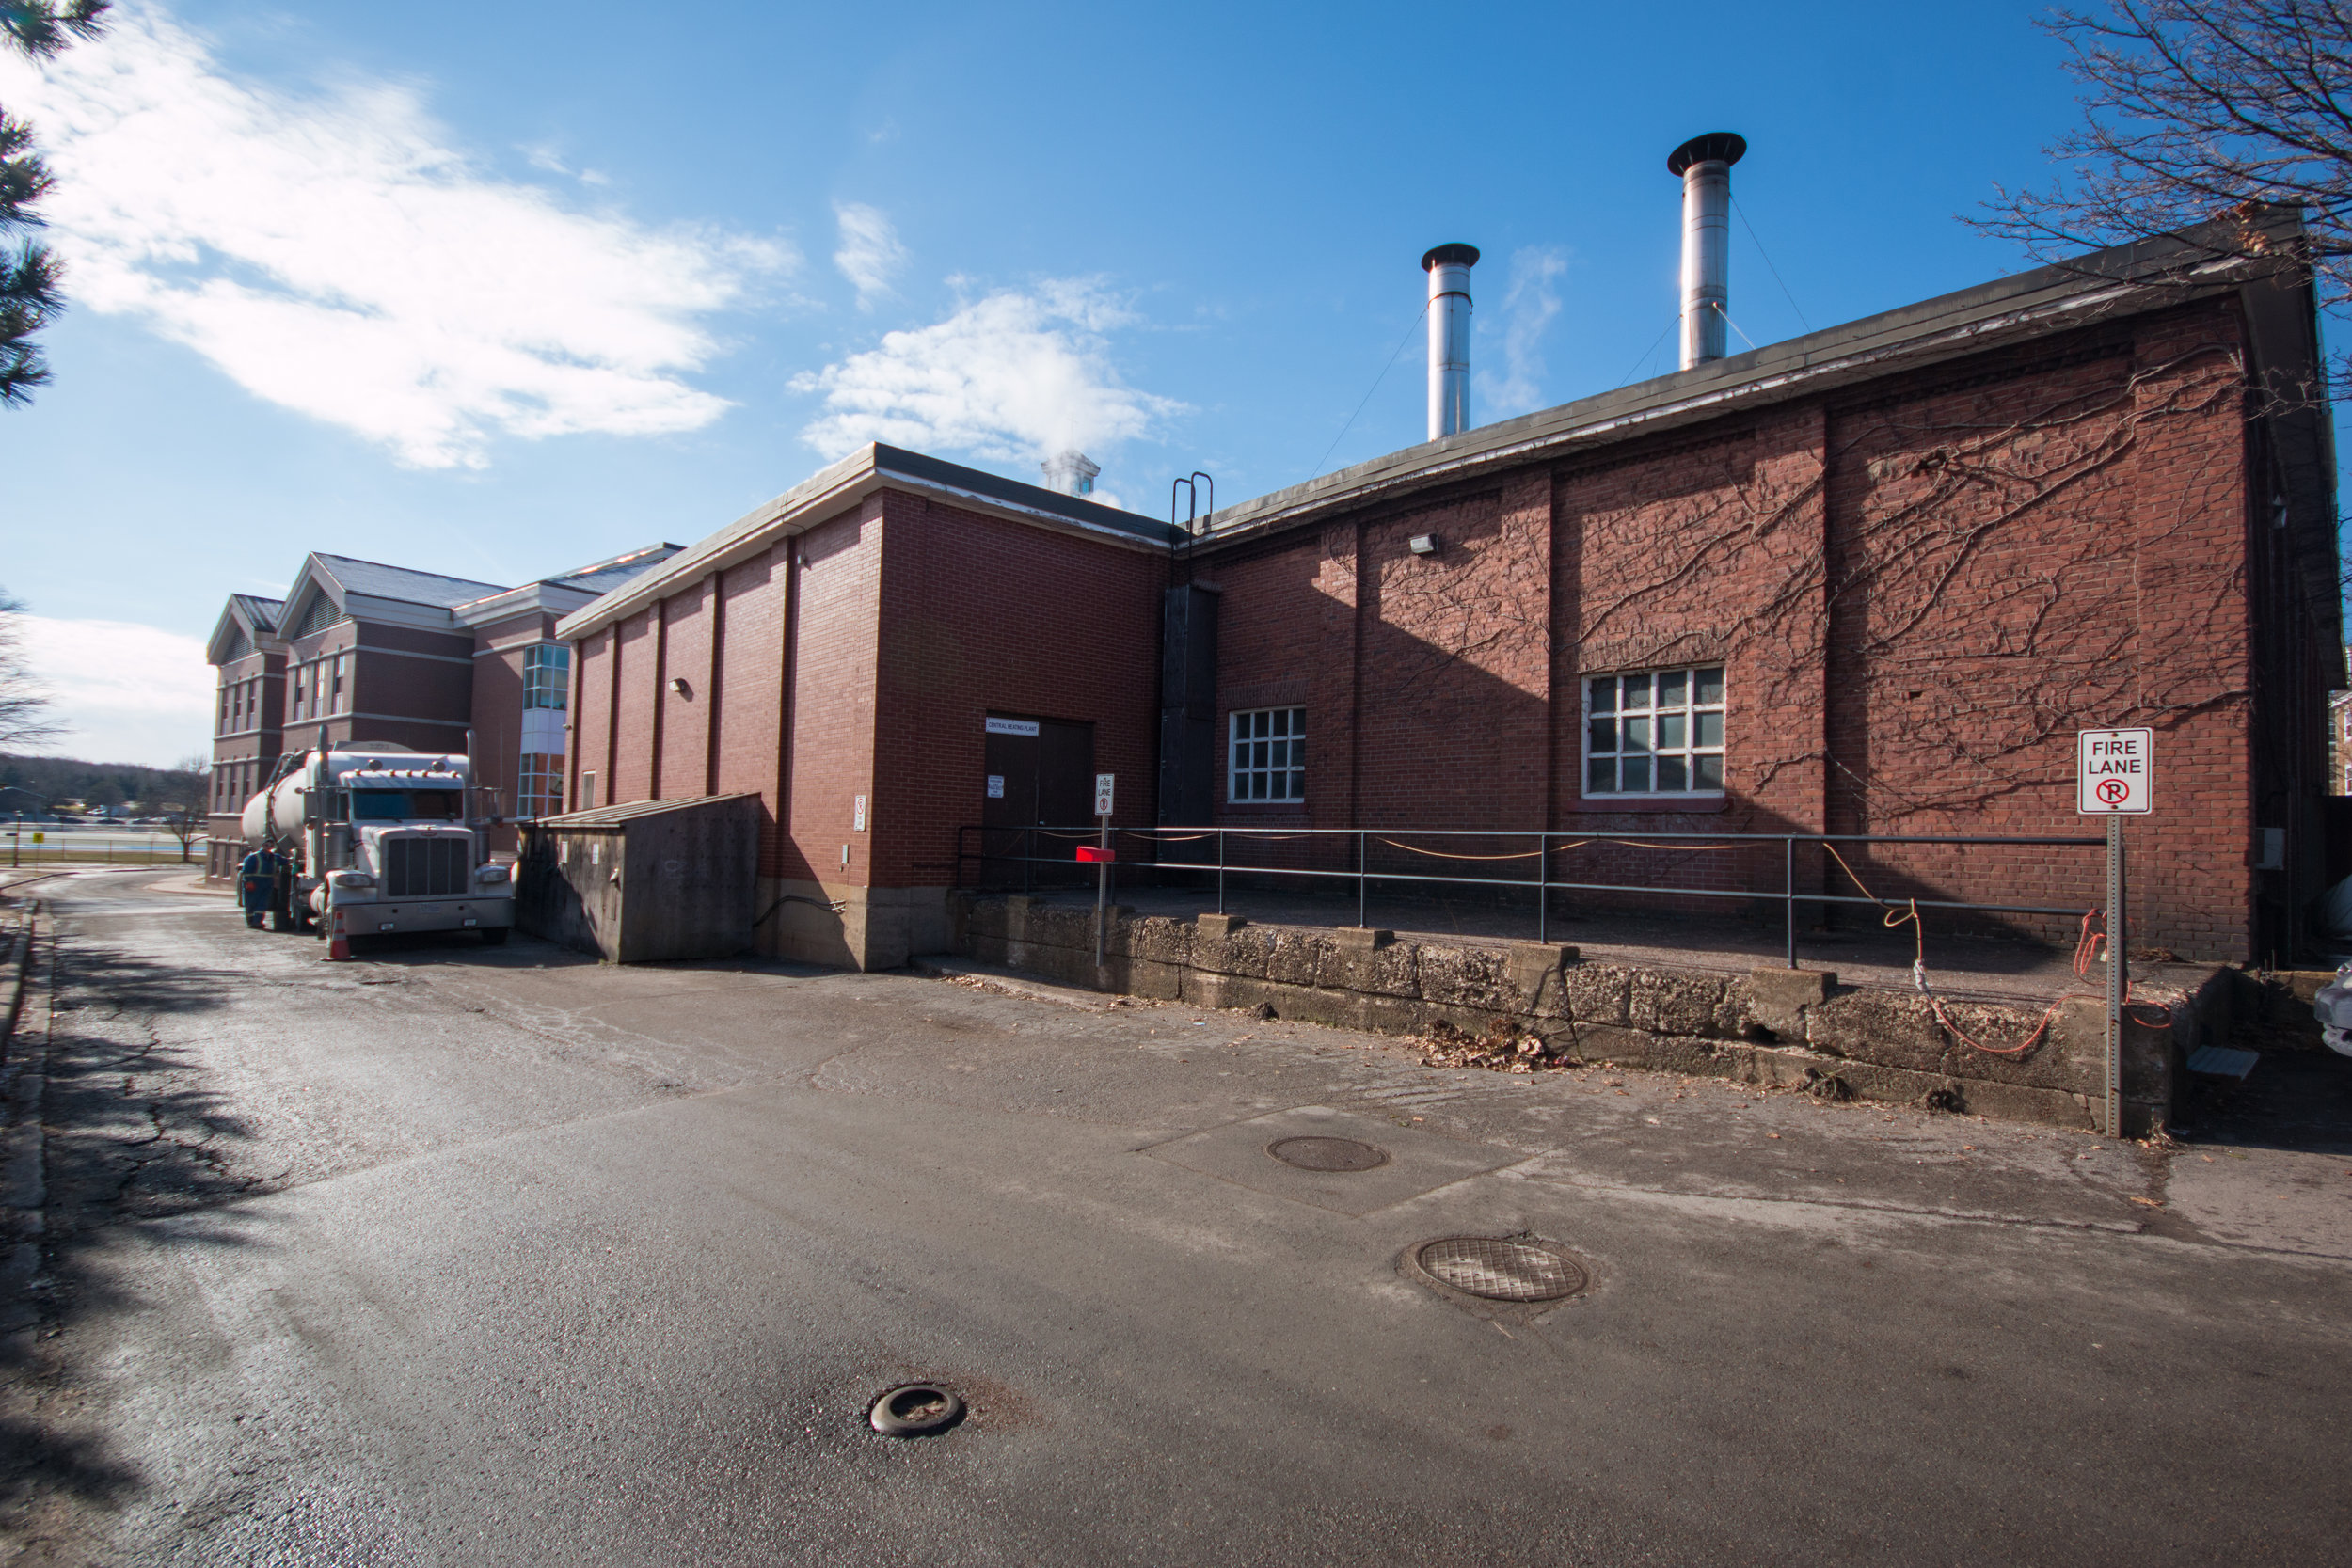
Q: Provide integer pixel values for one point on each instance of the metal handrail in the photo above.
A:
(1542, 883)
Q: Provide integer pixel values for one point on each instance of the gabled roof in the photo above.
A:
(369, 590)
(399, 583)
(246, 619)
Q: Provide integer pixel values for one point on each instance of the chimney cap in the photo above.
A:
(1718, 147)
(1464, 254)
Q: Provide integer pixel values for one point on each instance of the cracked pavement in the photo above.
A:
(465, 1255)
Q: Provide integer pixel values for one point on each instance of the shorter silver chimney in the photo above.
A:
(1071, 472)
(1705, 165)
(1449, 269)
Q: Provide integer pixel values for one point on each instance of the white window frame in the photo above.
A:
(1252, 748)
(539, 783)
(1688, 737)
(538, 658)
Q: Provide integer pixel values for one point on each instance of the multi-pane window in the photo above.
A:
(1658, 732)
(542, 793)
(1268, 760)
(341, 702)
(547, 674)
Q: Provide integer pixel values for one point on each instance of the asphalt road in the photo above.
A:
(458, 1255)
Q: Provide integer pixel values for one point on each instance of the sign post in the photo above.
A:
(1102, 783)
(2115, 775)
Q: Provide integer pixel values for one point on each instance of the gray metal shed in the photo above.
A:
(649, 881)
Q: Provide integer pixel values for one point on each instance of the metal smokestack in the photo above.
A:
(1705, 165)
(1449, 269)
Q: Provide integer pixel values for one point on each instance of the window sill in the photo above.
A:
(1655, 805)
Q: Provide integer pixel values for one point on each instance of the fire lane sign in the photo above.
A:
(1102, 785)
(2114, 772)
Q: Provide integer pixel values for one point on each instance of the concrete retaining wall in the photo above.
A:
(1771, 1026)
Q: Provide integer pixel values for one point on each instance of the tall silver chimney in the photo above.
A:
(1705, 165)
(1449, 268)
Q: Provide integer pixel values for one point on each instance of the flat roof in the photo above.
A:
(826, 492)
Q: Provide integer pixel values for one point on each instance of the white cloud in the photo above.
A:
(871, 256)
(338, 255)
(125, 692)
(1529, 304)
(1017, 375)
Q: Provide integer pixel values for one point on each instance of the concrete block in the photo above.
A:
(1668, 1003)
(1292, 958)
(1468, 977)
(1154, 940)
(1374, 968)
(1236, 952)
(1306, 1005)
(1778, 998)
(1878, 1026)
(1597, 993)
(1363, 936)
(1159, 982)
(1219, 924)
(1016, 907)
(1534, 970)
(1608, 1042)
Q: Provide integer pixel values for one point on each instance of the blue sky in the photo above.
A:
(498, 291)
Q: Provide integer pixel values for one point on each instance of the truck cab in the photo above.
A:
(383, 839)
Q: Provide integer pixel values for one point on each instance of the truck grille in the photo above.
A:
(424, 867)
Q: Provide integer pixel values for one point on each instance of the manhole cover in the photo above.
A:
(914, 1410)
(1327, 1153)
(1501, 1270)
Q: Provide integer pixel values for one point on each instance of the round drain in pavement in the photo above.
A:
(915, 1410)
(1514, 1268)
(1328, 1153)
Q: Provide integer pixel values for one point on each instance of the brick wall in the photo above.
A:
(834, 631)
(747, 719)
(1918, 592)
(982, 615)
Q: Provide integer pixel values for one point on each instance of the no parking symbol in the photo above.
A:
(2114, 772)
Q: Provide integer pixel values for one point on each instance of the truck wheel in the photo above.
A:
(494, 936)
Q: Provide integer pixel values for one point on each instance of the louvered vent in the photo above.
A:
(238, 647)
(424, 867)
(323, 613)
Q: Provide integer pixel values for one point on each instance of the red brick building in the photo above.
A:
(1871, 580)
(858, 654)
(361, 651)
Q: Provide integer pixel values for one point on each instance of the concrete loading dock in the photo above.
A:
(646, 881)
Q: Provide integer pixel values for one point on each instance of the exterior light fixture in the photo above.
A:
(678, 685)
(1423, 544)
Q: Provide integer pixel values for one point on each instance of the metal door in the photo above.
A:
(1039, 774)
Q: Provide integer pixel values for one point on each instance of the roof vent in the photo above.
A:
(1071, 472)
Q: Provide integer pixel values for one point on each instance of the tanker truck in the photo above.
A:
(380, 835)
